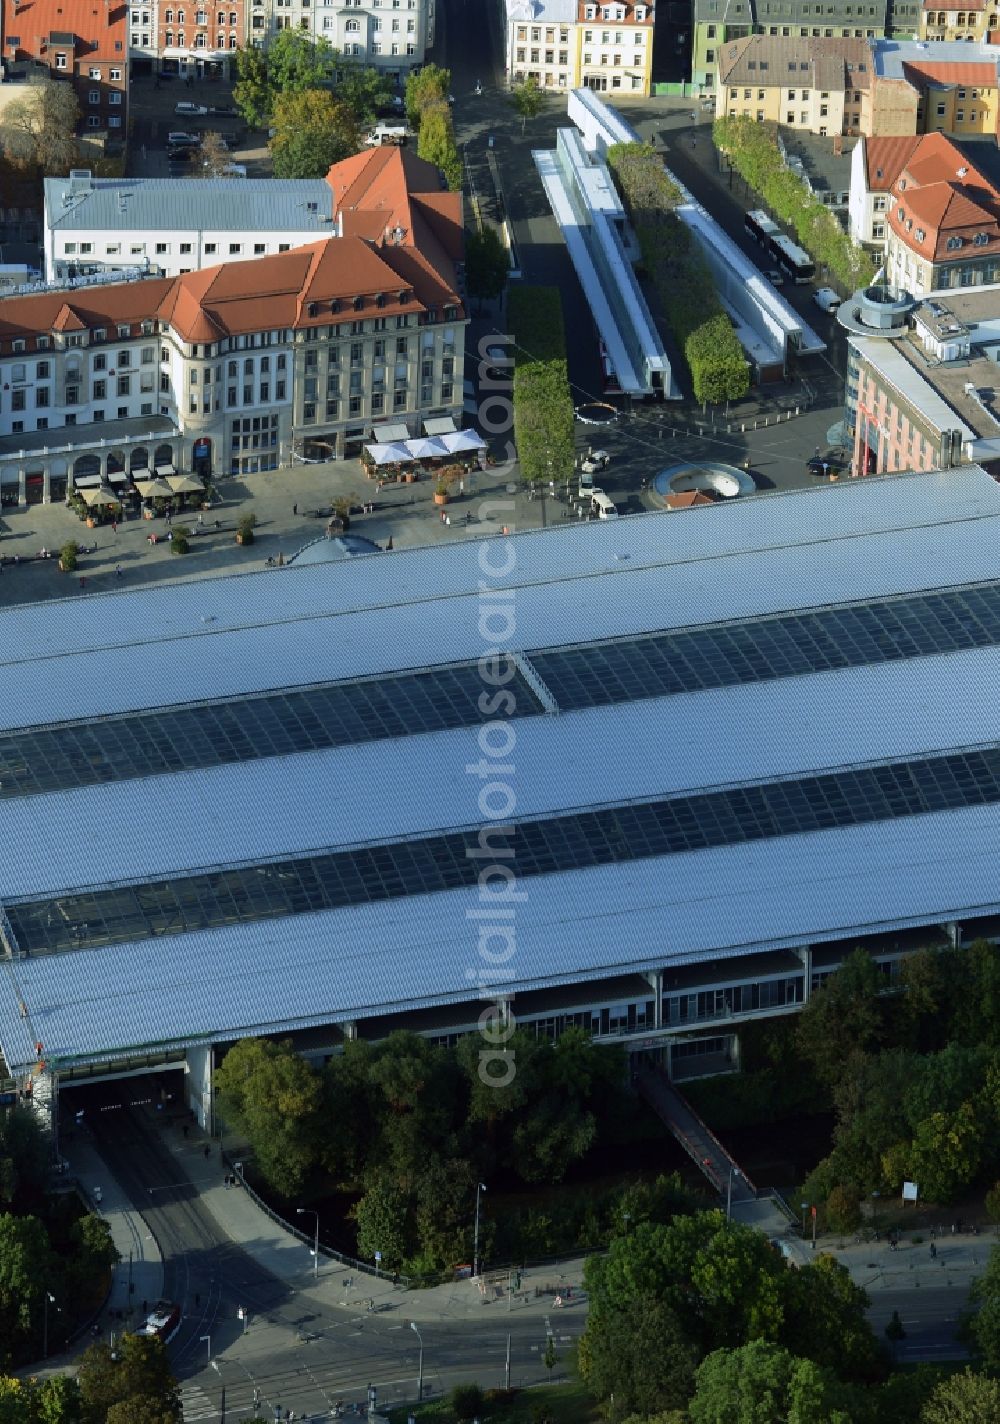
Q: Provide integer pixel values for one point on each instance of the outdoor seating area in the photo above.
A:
(164, 491)
(424, 456)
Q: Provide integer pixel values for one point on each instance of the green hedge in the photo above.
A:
(702, 330)
(753, 151)
(543, 405)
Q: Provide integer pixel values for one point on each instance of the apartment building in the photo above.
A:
(244, 365)
(170, 226)
(197, 39)
(875, 165)
(816, 86)
(956, 20)
(570, 44)
(718, 22)
(84, 42)
(393, 35)
(949, 87)
(942, 219)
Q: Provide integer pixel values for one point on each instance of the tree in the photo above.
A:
(58, 1401)
(946, 1153)
(275, 1098)
(211, 156)
(640, 1356)
(762, 1383)
(26, 1265)
(984, 1326)
(137, 1368)
(487, 265)
(843, 1210)
(967, 1398)
(826, 1321)
(528, 100)
(313, 130)
(142, 1409)
(426, 87)
(436, 142)
(251, 92)
(992, 1203)
(297, 62)
(843, 1017)
(24, 1158)
(365, 90)
(382, 1216)
(40, 129)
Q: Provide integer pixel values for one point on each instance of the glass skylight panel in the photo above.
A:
(761, 649)
(604, 836)
(187, 738)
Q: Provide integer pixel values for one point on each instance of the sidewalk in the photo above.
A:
(339, 1286)
(137, 1277)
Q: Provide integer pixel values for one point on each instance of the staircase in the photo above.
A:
(698, 1141)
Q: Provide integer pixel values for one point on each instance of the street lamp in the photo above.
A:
(420, 1366)
(475, 1248)
(305, 1211)
(208, 1341)
(805, 1208)
(48, 1298)
(875, 1197)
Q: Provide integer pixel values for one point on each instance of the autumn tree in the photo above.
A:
(39, 130)
(313, 130)
(274, 1097)
(211, 156)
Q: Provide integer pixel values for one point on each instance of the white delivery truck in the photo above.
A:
(385, 134)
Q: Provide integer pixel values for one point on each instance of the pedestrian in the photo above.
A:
(114, 526)
(208, 1150)
(118, 570)
(83, 583)
(933, 1251)
(201, 519)
(389, 545)
(295, 510)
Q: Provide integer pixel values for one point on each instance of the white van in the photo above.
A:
(601, 507)
(386, 134)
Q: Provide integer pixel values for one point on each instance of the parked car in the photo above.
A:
(826, 299)
(184, 106)
(180, 136)
(596, 460)
(776, 277)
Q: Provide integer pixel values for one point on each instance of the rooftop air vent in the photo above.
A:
(963, 172)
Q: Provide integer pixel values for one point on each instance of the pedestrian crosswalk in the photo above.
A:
(197, 1403)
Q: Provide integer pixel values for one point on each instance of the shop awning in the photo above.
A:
(162, 471)
(440, 425)
(390, 434)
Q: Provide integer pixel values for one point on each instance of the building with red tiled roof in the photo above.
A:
(249, 364)
(875, 165)
(82, 41)
(942, 220)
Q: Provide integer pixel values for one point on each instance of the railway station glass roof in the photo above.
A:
(181, 738)
(275, 724)
(850, 635)
(602, 836)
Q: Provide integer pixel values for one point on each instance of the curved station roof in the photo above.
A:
(264, 802)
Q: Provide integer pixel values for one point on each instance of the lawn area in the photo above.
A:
(547, 1404)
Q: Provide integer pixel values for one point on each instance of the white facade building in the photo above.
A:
(393, 35)
(569, 44)
(171, 226)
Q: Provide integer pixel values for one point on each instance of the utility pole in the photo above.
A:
(506, 1369)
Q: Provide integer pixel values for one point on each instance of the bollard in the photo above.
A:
(797, 409)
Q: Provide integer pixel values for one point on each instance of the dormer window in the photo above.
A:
(312, 309)
(900, 213)
(953, 244)
(379, 299)
(980, 239)
(99, 334)
(920, 235)
(18, 345)
(335, 305)
(403, 297)
(902, 185)
(358, 303)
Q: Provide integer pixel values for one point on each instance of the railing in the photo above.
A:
(307, 1238)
